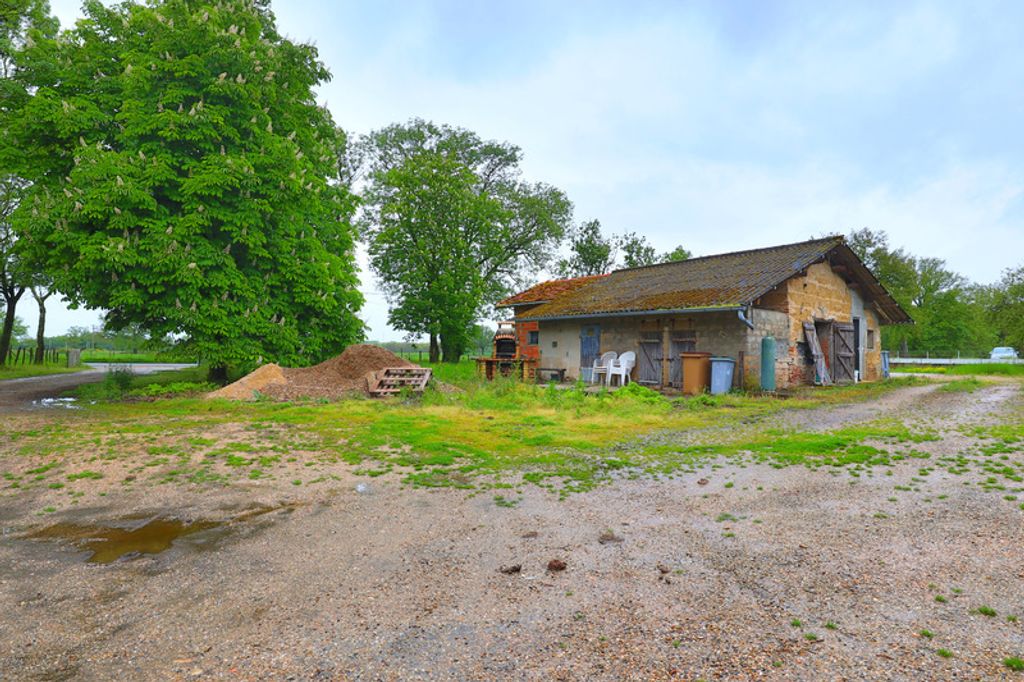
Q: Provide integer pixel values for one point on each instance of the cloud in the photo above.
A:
(719, 126)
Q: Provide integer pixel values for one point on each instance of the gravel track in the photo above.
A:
(397, 584)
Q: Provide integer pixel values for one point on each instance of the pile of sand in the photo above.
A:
(352, 371)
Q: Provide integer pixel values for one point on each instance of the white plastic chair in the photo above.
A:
(621, 368)
(601, 366)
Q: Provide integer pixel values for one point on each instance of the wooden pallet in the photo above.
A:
(391, 380)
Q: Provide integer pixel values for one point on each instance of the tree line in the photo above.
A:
(951, 314)
(168, 163)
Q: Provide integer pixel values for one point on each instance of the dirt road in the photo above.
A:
(733, 572)
(20, 394)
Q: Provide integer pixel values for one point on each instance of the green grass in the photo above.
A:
(99, 355)
(927, 634)
(453, 372)
(944, 653)
(969, 385)
(982, 369)
(487, 435)
(987, 611)
(22, 371)
(1014, 663)
(158, 384)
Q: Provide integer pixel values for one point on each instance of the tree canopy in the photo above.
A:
(591, 253)
(951, 315)
(452, 228)
(180, 169)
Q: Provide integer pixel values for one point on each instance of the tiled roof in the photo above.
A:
(729, 280)
(548, 291)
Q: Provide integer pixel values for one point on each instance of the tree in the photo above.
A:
(483, 339)
(13, 278)
(677, 254)
(1006, 308)
(951, 315)
(184, 184)
(452, 228)
(19, 21)
(590, 252)
(40, 292)
(636, 251)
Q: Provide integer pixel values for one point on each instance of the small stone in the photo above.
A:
(510, 570)
(556, 565)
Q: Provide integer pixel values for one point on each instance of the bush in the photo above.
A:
(174, 388)
(119, 379)
(637, 393)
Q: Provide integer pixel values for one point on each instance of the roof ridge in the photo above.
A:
(838, 238)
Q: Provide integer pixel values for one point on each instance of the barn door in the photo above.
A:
(590, 350)
(649, 362)
(845, 353)
(685, 342)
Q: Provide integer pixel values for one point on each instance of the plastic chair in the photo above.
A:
(621, 368)
(601, 366)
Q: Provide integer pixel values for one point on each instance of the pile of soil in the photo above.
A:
(351, 372)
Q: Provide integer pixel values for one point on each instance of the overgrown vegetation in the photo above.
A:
(484, 435)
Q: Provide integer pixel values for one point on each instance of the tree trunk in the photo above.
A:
(218, 374)
(452, 351)
(8, 329)
(435, 350)
(904, 351)
(41, 332)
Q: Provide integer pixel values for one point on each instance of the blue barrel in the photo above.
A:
(768, 363)
(721, 375)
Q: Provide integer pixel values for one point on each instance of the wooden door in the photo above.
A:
(844, 353)
(590, 350)
(682, 343)
(649, 362)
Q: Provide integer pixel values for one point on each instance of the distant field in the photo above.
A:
(966, 370)
(121, 356)
(22, 371)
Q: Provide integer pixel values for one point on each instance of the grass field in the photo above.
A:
(99, 355)
(483, 435)
(965, 370)
(22, 371)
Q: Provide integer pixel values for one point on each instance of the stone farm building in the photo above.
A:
(725, 305)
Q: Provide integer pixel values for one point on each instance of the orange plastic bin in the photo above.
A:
(696, 372)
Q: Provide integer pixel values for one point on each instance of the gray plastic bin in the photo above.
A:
(721, 375)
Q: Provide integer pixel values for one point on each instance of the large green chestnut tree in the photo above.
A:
(183, 179)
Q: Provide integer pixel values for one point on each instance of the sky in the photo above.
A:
(718, 126)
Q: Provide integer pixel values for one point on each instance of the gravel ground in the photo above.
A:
(670, 579)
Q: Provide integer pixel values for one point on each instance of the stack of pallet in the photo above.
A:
(391, 381)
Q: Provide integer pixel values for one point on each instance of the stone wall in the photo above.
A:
(718, 333)
(822, 294)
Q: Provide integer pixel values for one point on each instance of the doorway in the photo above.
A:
(590, 350)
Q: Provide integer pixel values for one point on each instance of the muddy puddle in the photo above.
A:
(122, 539)
(110, 543)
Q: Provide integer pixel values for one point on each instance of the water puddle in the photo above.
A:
(108, 543)
(65, 403)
